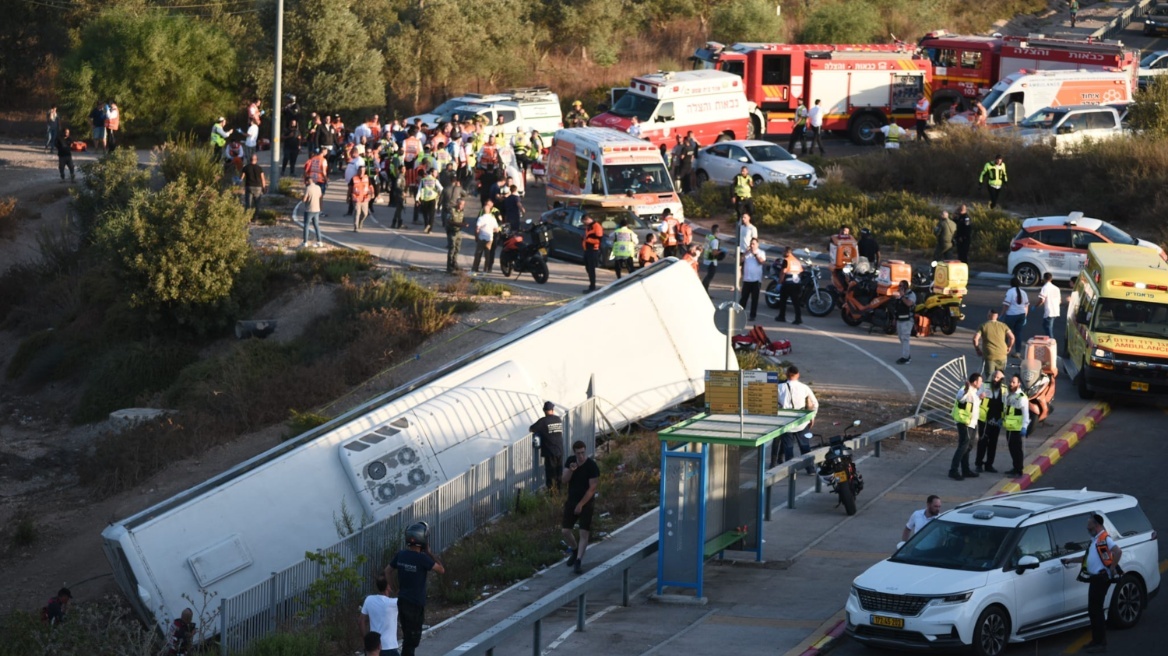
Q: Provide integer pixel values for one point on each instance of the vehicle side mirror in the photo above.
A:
(1025, 563)
(900, 544)
(856, 422)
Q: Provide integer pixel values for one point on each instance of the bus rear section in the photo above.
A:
(1117, 324)
(611, 163)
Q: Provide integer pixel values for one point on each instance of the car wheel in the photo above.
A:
(1127, 603)
(1027, 274)
(702, 177)
(1081, 384)
(757, 180)
(992, 632)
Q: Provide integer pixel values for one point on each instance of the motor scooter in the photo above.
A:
(525, 251)
(863, 302)
(838, 470)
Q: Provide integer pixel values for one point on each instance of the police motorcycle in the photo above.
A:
(526, 250)
(818, 300)
(838, 470)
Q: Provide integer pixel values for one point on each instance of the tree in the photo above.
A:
(1149, 114)
(167, 72)
(851, 22)
(178, 252)
(328, 59)
(747, 20)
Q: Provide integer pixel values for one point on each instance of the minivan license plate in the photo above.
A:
(890, 622)
(1139, 387)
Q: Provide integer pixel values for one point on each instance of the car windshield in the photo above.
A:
(1158, 10)
(993, 97)
(1134, 318)
(637, 179)
(952, 545)
(1116, 236)
(1043, 118)
(446, 107)
(632, 104)
(769, 153)
(1150, 59)
(610, 218)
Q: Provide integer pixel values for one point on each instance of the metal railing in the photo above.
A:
(941, 392)
(1125, 18)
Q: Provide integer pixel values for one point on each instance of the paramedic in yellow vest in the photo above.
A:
(922, 114)
(1099, 567)
(893, 134)
(429, 189)
(993, 175)
(799, 133)
(743, 186)
(624, 246)
(219, 138)
(966, 410)
(710, 256)
(521, 144)
(1016, 422)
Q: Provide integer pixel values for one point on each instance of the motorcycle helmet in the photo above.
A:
(418, 535)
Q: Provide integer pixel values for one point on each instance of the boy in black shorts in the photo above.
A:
(582, 476)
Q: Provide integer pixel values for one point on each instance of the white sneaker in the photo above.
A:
(304, 245)
(320, 244)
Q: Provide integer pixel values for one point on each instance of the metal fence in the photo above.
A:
(1126, 17)
(454, 510)
(940, 394)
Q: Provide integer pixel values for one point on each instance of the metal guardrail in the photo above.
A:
(531, 617)
(1125, 18)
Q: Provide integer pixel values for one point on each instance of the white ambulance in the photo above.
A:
(610, 163)
(1019, 95)
(711, 103)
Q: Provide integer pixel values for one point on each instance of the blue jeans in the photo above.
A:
(1048, 326)
(311, 219)
(1016, 322)
(961, 455)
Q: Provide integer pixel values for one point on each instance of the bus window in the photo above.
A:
(581, 172)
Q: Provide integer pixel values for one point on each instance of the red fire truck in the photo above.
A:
(966, 67)
(861, 87)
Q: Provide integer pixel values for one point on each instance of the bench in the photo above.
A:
(722, 542)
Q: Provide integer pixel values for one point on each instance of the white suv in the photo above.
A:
(1058, 245)
(988, 573)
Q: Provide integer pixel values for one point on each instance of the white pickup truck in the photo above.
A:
(1069, 126)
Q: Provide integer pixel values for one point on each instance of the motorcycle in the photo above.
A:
(863, 302)
(525, 251)
(1038, 372)
(942, 310)
(838, 470)
(818, 300)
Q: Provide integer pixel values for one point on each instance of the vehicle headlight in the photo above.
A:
(854, 593)
(1102, 354)
(959, 598)
(776, 175)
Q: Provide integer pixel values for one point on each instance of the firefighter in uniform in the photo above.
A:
(993, 175)
(1098, 568)
(743, 186)
(922, 115)
(790, 287)
(624, 246)
(577, 117)
(1016, 421)
(427, 199)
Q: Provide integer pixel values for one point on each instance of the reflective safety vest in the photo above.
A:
(709, 254)
(411, 148)
(362, 190)
(742, 185)
(489, 155)
(217, 139)
(794, 267)
(624, 242)
(428, 189)
(983, 408)
(893, 134)
(669, 232)
(801, 116)
(1102, 548)
(995, 173)
(962, 412)
(1011, 416)
(922, 111)
(521, 141)
(442, 157)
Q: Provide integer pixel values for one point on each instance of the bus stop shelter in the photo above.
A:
(713, 468)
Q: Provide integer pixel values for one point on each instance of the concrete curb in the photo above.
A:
(829, 639)
(1055, 448)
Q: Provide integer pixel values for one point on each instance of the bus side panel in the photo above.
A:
(561, 171)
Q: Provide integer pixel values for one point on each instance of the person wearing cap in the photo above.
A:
(219, 136)
(593, 236)
(868, 247)
(412, 564)
(548, 436)
(577, 117)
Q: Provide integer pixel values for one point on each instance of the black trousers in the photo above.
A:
(591, 261)
(551, 471)
(1096, 594)
(790, 290)
(1014, 442)
(622, 263)
(711, 270)
(798, 134)
(994, 193)
(744, 206)
(921, 125)
(62, 163)
(750, 290)
(987, 442)
(411, 617)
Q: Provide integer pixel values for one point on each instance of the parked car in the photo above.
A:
(989, 572)
(1068, 126)
(443, 111)
(1156, 19)
(1058, 245)
(567, 224)
(765, 162)
(1154, 64)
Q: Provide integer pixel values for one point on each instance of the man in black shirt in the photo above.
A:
(413, 565)
(869, 248)
(254, 183)
(963, 237)
(291, 147)
(549, 436)
(582, 476)
(64, 145)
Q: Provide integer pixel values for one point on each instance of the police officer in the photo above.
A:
(413, 564)
(1016, 421)
(989, 423)
(624, 246)
(453, 218)
(1099, 568)
(789, 270)
(743, 185)
(577, 117)
(548, 434)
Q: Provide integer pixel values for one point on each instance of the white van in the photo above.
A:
(443, 111)
(1021, 94)
(1066, 127)
(711, 103)
(530, 109)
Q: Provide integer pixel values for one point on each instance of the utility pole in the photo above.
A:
(277, 107)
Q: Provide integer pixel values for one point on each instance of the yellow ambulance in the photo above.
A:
(1117, 323)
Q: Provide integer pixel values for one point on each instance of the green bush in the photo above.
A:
(126, 373)
(309, 643)
(839, 22)
(396, 291)
(490, 288)
(108, 184)
(302, 422)
(183, 156)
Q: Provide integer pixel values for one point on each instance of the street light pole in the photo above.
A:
(277, 108)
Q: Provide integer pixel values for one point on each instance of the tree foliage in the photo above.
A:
(167, 72)
(1149, 114)
(108, 184)
(746, 20)
(329, 59)
(839, 22)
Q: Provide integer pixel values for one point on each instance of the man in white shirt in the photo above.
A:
(795, 395)
(635, 127)
(1049, 299)
(921, 517)
(815, 117)
(752, 267)
(485, 229)
(379, 614)
(249, 144)
(893, 134)
(746, 232)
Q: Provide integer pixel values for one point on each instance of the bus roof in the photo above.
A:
(1119, 266)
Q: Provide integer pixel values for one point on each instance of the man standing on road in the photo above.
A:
(316, 168)
(752, 267)
(815, 116)
(799, 133)
(379, 614)
(944, 231)
(362, 194)
(1016, 308)
(993, 175)
(743, 186)
(582, 476)
(624, 247)
(918, 519)
(868, 247)
(64, 145)
(485, 229)
(255, 183)
(906, 303)
(965, 414)
(1049, 299)
(790, 286)
(1098, 565)
(989, 424)
(413, 564)
(795, 395)
(311, 200)
(713, 252)
(746, 232)
(993, 341)
(1016, 421)
(549, 438)
(921, 111)
(453, 216)
(963, 237)
(593, 236)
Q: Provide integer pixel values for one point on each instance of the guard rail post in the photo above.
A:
(272, 607)
(581, 608)
(876, 450)
(791, 489)
(536, 638)
(223, 626)
(625, 587)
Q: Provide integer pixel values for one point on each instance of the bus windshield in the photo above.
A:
(632, 104)
(637, 179)
(1133, 318)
